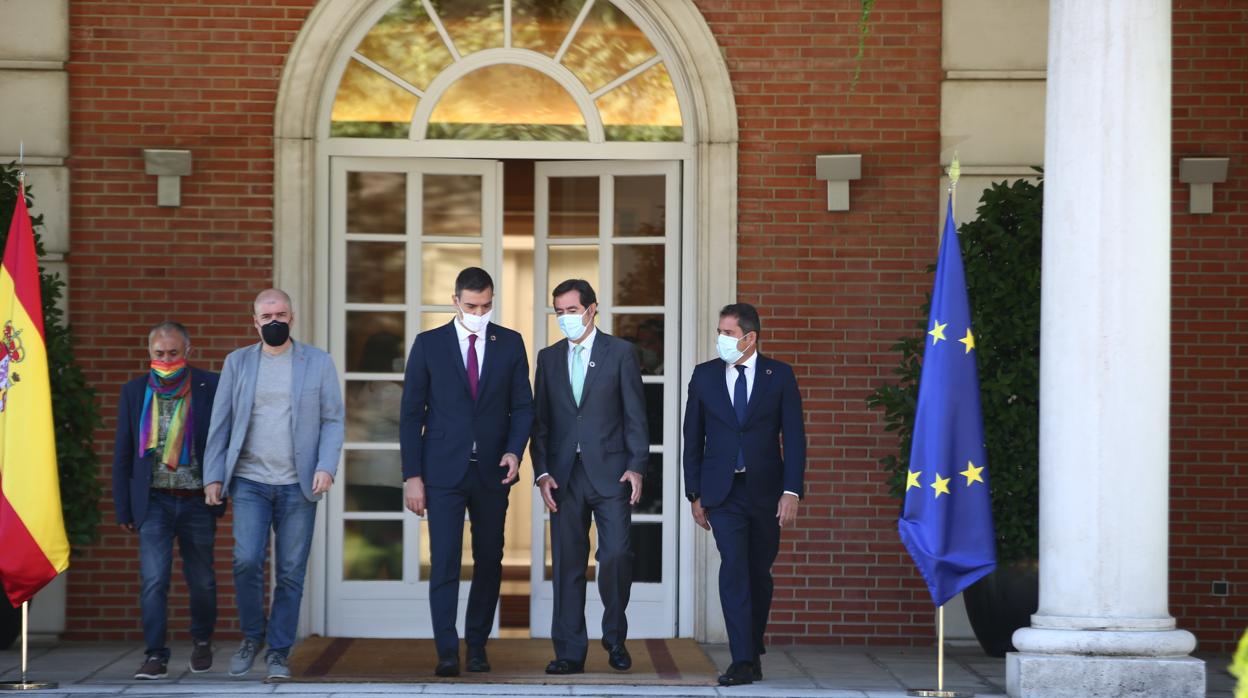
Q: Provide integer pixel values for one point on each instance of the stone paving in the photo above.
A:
(107, 669)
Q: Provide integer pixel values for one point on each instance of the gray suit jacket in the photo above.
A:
(316, 414)
(610, 423)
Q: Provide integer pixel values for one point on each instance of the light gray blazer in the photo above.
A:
(316, 415)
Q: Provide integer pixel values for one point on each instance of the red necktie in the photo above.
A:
(473, 370)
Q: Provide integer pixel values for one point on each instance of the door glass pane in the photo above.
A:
(406, 42)
(374, 342)
(369, 105)
(374, 481)
(372, 550)
(472, 24)
(652, 487)
(440, 264)
(426, 554)
(377, 202)
(571, 262)
(647, 540)
(645, 331)
(452, 205)
(507, 102)
(654, 411)
(573, 207)
(376, 272)
(640, 206)
(429, 321)
(542, 25)
(372, 409)
(639, 275)
(607, 45)
(642, 109)
(591, 572)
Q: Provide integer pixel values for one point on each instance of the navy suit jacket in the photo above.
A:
(713, 437)
(132, 472)
(440, 421)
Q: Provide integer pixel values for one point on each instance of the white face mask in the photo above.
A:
(475, 323)
(728, 350)
(573, 326)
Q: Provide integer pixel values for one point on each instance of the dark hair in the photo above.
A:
(473, 279)
(746, 315)
(169, 327)
(588, 297)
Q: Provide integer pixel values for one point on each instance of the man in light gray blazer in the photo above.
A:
(273, 447)
(590, 449)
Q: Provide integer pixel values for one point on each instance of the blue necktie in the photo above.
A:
(739, 402)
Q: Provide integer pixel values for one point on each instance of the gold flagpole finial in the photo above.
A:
(955, 171)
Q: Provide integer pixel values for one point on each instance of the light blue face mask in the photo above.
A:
(728, 350)
(572, 325)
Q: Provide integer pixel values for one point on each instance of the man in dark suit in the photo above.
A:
(740, 485)
(590, 449)
(466, 414)
(158, 456)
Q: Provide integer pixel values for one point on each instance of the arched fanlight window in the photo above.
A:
(546, 70)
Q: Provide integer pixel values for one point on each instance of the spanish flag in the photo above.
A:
(33, 546)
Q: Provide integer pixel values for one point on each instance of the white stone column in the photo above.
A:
(1103, 627)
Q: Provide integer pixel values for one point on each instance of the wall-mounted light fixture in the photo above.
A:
(837, 171)
(1201, 174)
(169, 166)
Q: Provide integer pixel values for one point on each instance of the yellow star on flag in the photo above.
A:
(968, 340)
(938, 332)
(972, 473)
(941, 485)
(912, 479)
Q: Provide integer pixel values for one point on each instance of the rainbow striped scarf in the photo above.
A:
(168, 380)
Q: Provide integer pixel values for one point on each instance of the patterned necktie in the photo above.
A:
(474, 373)
(739, 401)
(578, 373)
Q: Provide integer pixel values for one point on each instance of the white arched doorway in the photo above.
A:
(399, 160)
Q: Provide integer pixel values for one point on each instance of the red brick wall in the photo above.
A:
(1209, 364)
(836, 290)
(195, 74)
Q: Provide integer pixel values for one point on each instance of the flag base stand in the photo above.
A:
(25, 685)
(940, 691)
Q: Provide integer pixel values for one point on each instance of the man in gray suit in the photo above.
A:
(273, 445)
(590, 448)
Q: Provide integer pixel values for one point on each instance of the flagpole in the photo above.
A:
(955, 172)
(24, 684)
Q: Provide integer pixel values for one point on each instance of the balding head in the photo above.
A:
(270, 296)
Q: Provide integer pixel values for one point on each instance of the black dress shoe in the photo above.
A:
(477, 661)
(758, 668)
(565, 666)
(738, 674)
(447, 667)
(618, 657)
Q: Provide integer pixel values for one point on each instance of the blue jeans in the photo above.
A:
(284, 509)
(194, 526)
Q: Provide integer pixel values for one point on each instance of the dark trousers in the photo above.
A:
(194, 526)
(487, 511)
(747, 534)
(569, 531)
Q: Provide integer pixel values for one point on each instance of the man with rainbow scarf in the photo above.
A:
(162, 428)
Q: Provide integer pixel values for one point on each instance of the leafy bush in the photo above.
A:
(74, 413)
(1001, 254)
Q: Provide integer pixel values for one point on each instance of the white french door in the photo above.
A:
(617, 225)
(401, 229)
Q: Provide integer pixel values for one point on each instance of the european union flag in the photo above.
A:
(946, 523)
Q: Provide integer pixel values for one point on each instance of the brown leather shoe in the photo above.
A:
(201, 656)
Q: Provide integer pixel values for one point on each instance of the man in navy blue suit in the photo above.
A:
(739, 483)
(158, 458)
(466, 414)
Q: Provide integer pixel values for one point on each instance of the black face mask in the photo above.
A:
(275, 333)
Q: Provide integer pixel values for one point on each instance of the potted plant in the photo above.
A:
(74, 413)
(1001, 255)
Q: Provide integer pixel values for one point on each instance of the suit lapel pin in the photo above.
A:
(769, 371)
(591, 364)
(493, 338)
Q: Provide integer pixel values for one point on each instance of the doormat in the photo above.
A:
(679, 662)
